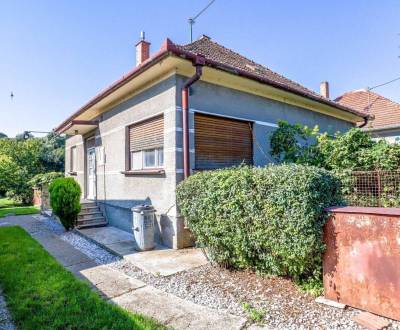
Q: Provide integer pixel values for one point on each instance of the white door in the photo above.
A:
(91, 173)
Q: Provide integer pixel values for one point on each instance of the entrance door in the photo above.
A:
(91, 173)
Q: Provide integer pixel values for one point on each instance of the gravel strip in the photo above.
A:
(6, 322)
(283, 305)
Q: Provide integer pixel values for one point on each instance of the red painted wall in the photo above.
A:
(362, 259)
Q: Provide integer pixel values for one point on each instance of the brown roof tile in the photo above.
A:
(386, 112)
(214, 51)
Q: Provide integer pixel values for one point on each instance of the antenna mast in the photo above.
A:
(192, 20)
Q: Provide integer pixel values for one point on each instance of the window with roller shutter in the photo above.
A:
(146, 144)
(222, 142)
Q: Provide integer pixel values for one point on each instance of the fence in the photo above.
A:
(372, 188)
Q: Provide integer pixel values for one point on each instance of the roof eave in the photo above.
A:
(168, 47)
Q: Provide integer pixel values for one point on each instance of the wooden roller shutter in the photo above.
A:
(222, 142)
(148, 134)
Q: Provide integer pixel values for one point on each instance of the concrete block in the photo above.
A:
(332, 303)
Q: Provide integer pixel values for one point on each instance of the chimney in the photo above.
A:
(324, 89)
(142, 49)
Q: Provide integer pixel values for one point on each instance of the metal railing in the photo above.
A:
(372, 188)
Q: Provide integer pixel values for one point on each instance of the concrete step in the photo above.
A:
(90, 215)
(92, 225)
(94, 222)
(94, 219)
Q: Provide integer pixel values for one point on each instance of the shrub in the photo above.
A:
(45, 178)
(269, 219)
(65, 194)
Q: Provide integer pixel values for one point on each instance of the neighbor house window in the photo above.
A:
(73, 160)
(146, 144)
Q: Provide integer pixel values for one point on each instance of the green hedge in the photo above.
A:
(269, 219)
(65, 195)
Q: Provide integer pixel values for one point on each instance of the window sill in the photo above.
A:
(148, 171)
(72, 173)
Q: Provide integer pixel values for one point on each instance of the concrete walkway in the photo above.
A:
(161, 261)
(128, 292)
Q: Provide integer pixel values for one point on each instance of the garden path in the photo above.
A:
(128, 292)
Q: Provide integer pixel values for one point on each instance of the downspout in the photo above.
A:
(198, 63)
(365, 122)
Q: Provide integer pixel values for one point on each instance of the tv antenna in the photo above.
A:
(192, 20)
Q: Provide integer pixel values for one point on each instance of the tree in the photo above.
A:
(349, 151)
(9, 172)
(53, 152)
(30, 156)
(2, 135)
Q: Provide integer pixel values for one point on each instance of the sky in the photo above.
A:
(56, 55)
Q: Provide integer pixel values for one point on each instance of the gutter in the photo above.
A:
(198, 63)
(167, 48)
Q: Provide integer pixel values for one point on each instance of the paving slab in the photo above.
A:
(30, 224)
(66, 254)
(176, 312)
(111, 283)
(371, 321)
(107, 235)
(160, 261)
(167, 262)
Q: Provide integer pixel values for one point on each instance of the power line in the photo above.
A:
(386, 83)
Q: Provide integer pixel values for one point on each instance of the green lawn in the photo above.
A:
(41, 294)
(8, 206)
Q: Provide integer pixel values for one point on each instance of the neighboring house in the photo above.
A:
(136, 140)
(385, 121)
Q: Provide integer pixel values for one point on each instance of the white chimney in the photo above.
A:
(142, 49)
(324, 89)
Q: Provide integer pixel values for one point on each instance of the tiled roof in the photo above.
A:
(386, 112)
(220, 54)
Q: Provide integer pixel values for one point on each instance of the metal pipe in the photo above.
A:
(185, 115)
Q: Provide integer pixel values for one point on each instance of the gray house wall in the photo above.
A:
(117, 193)
(219, 100)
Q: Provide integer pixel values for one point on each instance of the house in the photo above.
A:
(189, 107)
(385, 122)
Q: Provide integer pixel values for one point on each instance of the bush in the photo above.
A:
(44, 178)
(268, 219)
(65, 194)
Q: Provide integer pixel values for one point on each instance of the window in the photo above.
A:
(222, 142)
(150, 158)
(146, 142)
(73, 166)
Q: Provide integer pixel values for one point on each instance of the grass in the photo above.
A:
(41, 294)
(8, 206)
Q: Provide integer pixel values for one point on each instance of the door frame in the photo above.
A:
(94, 197)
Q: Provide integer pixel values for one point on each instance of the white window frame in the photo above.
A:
(142, 159)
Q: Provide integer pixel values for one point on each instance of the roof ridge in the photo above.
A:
(368, 91)
(204, 37)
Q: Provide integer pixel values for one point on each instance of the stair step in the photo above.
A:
(88, 214)
(90, 208)
(99, 218)
(95, 224)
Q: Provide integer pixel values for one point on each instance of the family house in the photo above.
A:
(385, 113)
(185, 108)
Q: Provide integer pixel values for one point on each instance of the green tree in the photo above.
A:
(31, 156)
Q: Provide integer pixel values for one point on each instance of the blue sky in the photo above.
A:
(55, 55)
